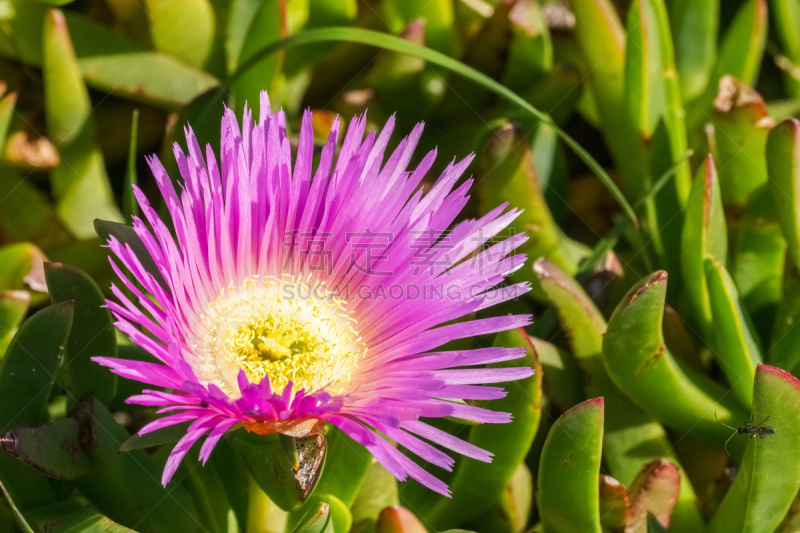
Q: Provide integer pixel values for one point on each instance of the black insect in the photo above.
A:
(754, 430)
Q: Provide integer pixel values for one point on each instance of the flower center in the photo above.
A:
(282, 329)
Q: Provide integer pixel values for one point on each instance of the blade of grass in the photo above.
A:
(396, 44)
(129, 205)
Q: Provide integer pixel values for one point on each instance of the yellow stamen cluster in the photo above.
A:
(285, 329)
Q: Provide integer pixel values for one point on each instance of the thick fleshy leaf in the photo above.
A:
(642, 367)
(742, 46)
(52, 449)
(184, 30)
(108, 61)
(631, 437)
(737, 347)
(126, 235)
(398, 520)
(569, 469)
(7, 104)
(655, 491)
(72, 516)
(30, 366)
(561, 376)
(785, 349)
(759, 258)
(267, 25)
(741, 124)
(704, 235)
(339, 517)
(439, 18)
(511, 512)
(205, 488)
(786, 20)
(92, 336)
(21, 267)
(601, 39)
(316, 521)
(170, 434)
(509, 175)
(79, 183)
(615, 505)
(27, 215)
(783, 163)
(740, 53)
(239, 486)
(274, 463)
(477, 485)
(530, 52)
(377, 491)
(644, 80)
(125, 486)
(388, 42)
(26, 380)
(13, 306)
(766, 484)
(694, 30)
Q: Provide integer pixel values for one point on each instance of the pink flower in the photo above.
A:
(284, 302)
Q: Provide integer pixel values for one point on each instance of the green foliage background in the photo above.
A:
(651, 144)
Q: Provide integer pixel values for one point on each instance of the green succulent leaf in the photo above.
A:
(339, 517)
(694, 29)
(738, 350)
(13, 306)
(741, 124)
(316, 520)
(20, 267)
(52, 449)
(27, 377)
(766, 484)
(642, 367)
(530, 52)
(29, 369)
(704, 235)
(783, 163)
(7, 105)
(477, 485)
(72, 516)
(126, 487)
(561, 376)
(743, 43)
(786, 20)
(106, 60)
(94, 334)
(644, 80)
(127, 236)
(655, 491)
(569, 469)
(601, 40)
(167, 435)
(183, 29)
(631, 437)
(388, 42)
(80, 183)
(509, 174)
(759, 258)
(615, 505)
(268, 25)
(273, 461)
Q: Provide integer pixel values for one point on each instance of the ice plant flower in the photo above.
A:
(281, 302)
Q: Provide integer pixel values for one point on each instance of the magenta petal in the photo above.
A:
(398, 271)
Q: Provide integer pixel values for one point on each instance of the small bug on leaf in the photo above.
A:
(754, 430)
